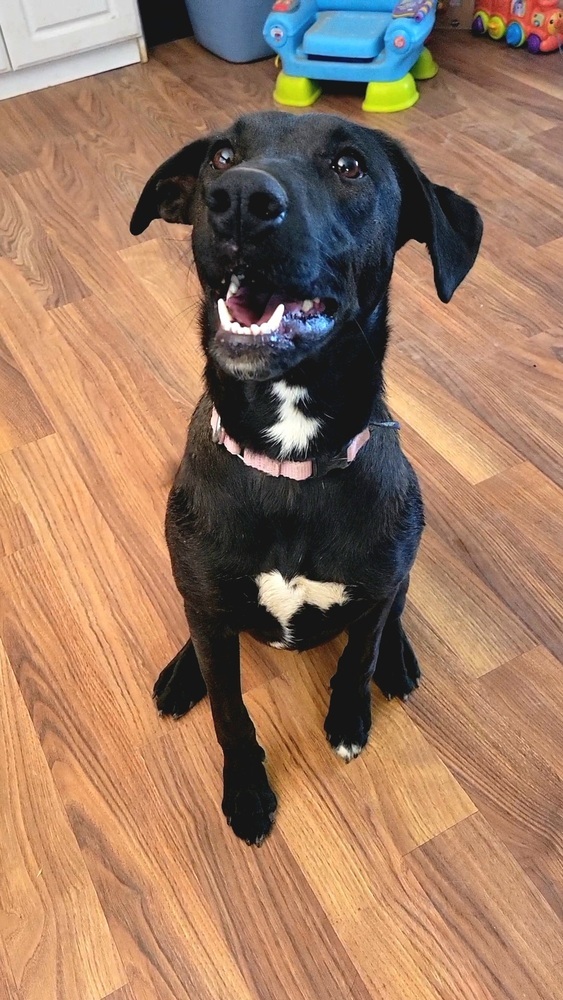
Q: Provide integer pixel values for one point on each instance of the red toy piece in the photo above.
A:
(285, 6)
(535, 23)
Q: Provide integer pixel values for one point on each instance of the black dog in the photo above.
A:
(294, 514)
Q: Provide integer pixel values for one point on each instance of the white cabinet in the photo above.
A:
(36, 30)
(4, 61)
(49, 41)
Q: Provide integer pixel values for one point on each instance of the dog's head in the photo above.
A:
(296, 221)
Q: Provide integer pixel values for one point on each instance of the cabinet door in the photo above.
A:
(4, 61)
(38, 30)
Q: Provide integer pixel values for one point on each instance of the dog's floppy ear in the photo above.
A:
(450, 225)
(169, 192)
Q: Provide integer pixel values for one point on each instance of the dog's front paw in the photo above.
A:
(347, 725)
(248, 801)
(180, 685)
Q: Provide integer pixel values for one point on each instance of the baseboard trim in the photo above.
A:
(76, 67)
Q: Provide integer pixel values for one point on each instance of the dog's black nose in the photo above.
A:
(246, 202)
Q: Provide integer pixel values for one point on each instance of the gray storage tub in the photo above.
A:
(231, 29)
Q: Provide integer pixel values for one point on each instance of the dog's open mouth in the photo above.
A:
(252, 311)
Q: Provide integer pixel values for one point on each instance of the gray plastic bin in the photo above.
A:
(231, 29)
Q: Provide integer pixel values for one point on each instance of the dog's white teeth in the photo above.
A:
(231, 326)
(225, 317)
(307, 305)
(233, 287)
(275, 319)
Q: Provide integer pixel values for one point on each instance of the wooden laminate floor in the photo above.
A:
(431, 868)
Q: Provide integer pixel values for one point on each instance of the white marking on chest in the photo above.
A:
(293, 430)
(284, 598)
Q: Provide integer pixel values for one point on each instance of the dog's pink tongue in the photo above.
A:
(248, 306)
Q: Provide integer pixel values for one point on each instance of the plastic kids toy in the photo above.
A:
(379, 42)
(535, 23)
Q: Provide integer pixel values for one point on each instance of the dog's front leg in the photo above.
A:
(248, 801)
(348, 722)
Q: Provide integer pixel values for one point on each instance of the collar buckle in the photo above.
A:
(322, 466)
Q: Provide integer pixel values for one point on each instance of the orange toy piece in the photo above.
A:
(535, 23)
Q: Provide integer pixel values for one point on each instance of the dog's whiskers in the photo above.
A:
(363, 333)
(189, 312)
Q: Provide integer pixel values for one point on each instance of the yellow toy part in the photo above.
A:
(425, 67)
(296, 91)
(496, 27)
(389, 96)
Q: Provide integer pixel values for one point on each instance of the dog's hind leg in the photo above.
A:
(397, 672)
(348, 722)
(180, 685)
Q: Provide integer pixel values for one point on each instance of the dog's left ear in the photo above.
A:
(169, 192)
(450, 225)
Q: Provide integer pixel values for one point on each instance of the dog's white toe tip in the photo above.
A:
(348, 751)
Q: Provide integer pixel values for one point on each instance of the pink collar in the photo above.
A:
(295, 470)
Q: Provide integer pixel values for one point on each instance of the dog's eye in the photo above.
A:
(347, 165)
(223, 158)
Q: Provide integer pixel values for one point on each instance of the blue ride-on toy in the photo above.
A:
(380, 42)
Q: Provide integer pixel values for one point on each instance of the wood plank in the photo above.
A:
(533, 91)
(534, 583)
(125, 993)
(24, 127)
(464, 441)
(105, 599)
(68, 190)
(271, 951)
(164, 96)
(499, 766)
(165, 268)
(366, 891)
(83, 395)
(22, 417)
(497, 547)
(464, 611)
(529, 206)
(398, 778)
(528, 695)
(24, 241)
(530, 370)
(492, 308)
(15, 530)
(8, 990)
(55, 934)
(169, 939)
(32, 122)
(300, 761)
(513, 937)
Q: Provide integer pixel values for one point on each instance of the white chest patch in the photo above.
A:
(284, 598)
(293, 430)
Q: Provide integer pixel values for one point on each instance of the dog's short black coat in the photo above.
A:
(307, 209)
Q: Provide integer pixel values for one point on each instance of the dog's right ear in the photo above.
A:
(169, 192)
